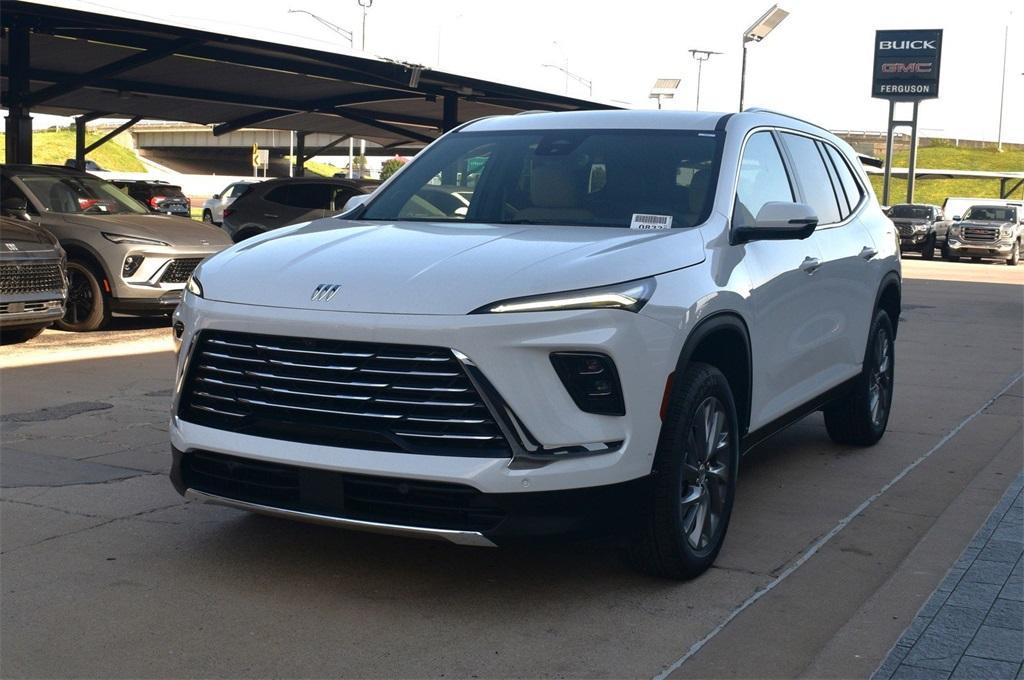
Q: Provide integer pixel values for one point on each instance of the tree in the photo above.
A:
(390, 167)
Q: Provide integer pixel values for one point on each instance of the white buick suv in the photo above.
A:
(546, 324)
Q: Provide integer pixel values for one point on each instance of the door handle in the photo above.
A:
(867, 252)
(810, 264)
(269, 215)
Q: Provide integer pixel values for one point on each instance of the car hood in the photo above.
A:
(176, 231)
(909, 220)
(435, 268)
(19, 237)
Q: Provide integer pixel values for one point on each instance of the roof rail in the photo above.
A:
(758, 109)
(526, 113)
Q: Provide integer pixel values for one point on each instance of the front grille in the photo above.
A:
(17, 279)
(358, 395)
(980, 233)
(388, 500)
(178, 271)
(905, 229)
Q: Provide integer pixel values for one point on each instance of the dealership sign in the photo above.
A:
(907, 65)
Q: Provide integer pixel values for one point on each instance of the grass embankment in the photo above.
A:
(952, 158)
(55, 147)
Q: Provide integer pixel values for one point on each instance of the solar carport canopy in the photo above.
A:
(66, 61)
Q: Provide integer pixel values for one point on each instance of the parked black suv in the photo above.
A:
(33, 283)
(922, 228)
(157, 195)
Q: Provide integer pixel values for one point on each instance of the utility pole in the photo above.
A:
(365, 4)
(701, 56)
(1002, 90)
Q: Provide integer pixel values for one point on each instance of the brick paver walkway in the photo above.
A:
(973, 624)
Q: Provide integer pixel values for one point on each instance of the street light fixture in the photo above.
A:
(701, 56)
(344, 33)
(570, 75)
(756, 33)
(664, 88)
(365, 4)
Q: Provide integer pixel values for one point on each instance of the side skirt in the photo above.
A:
(752, 439)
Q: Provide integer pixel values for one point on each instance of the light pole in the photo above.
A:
(756, 33)
(344, 33)
(578, 78)
(701, 56)
(365, 4)
(565, 64)
(1002, 89)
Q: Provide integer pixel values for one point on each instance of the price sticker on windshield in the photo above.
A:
(650, 222)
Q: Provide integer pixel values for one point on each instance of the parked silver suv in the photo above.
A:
(121, 257)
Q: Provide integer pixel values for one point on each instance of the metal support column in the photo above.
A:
(81, 123)
(912, 169)
(18, 124)
(451, 112)
(743, 78)
(300, 154)
(887, 177)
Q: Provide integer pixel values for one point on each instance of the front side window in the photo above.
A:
(813, 177)
(762, 179)
(597, 178)
(73, 194)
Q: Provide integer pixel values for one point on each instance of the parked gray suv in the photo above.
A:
(280, 202)
(121, 257)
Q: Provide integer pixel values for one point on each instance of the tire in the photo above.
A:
(88, 308)
(928, 249)
(682, 523)
(207, 217)
(860, 417)
(14, 336)
(947, 255)
(1014, 258)
(246, 234)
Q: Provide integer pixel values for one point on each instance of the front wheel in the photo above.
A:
(928, 249)
(682, 523)
(1014, 258)
(860, 417)
(207, 217)
(87, 307)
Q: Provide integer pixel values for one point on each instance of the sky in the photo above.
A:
(815, 65)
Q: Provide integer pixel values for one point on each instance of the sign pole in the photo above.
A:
(888, 153)
(912, 170)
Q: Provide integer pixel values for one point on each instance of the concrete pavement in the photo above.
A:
(107, 572)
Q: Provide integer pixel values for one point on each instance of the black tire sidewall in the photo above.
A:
(881, 319)
(99, 314)
(207, 217)
(698, 382)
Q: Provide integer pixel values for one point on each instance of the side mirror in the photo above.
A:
(16, 207)
(957, 218)
(779, 221)
(215, 196)
(354, 202)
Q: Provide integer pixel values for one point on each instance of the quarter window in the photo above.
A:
(813, 177)
(762, 179)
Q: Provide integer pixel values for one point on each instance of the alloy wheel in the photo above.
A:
(706, 473)
(880, 380)
(80, 297)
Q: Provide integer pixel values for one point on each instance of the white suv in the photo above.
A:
(546, 324)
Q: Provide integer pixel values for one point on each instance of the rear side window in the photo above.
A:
(851, 189)
(762, 179)
(309, 196)
(813, 177)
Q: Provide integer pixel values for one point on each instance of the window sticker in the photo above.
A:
(648, 222)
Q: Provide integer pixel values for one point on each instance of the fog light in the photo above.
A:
(591, 380)
(132, 264)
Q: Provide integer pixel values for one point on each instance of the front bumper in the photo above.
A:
(150, 281)
(32, 313)
(163, 304)
(998, 249)
(914, 242)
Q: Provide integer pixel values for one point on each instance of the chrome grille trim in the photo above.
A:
(358, 395)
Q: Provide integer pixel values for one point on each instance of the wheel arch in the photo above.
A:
(890, 298)
(77, 250)
(717, 340)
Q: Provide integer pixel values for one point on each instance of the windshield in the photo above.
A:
(73, 194)
(990, 213)
(917, 212)
(600, 178)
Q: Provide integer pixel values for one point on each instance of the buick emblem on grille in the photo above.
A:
(11, 246)
(325, 291)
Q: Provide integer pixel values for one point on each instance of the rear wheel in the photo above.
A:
(13, 336)
(682, 524)
(928, 249)
(87, 308)
(861, 416)
(1014, 258)
(207, 217)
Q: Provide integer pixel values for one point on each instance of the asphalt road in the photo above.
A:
(105, 571)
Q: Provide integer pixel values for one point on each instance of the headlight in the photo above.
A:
(131, 265)
(1006, 232)
(920, 227)
(954, 230)
(193, 286)
(133, 240)
(630, 296)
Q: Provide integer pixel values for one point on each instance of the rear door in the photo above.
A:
(295, 202)
(845, 277)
